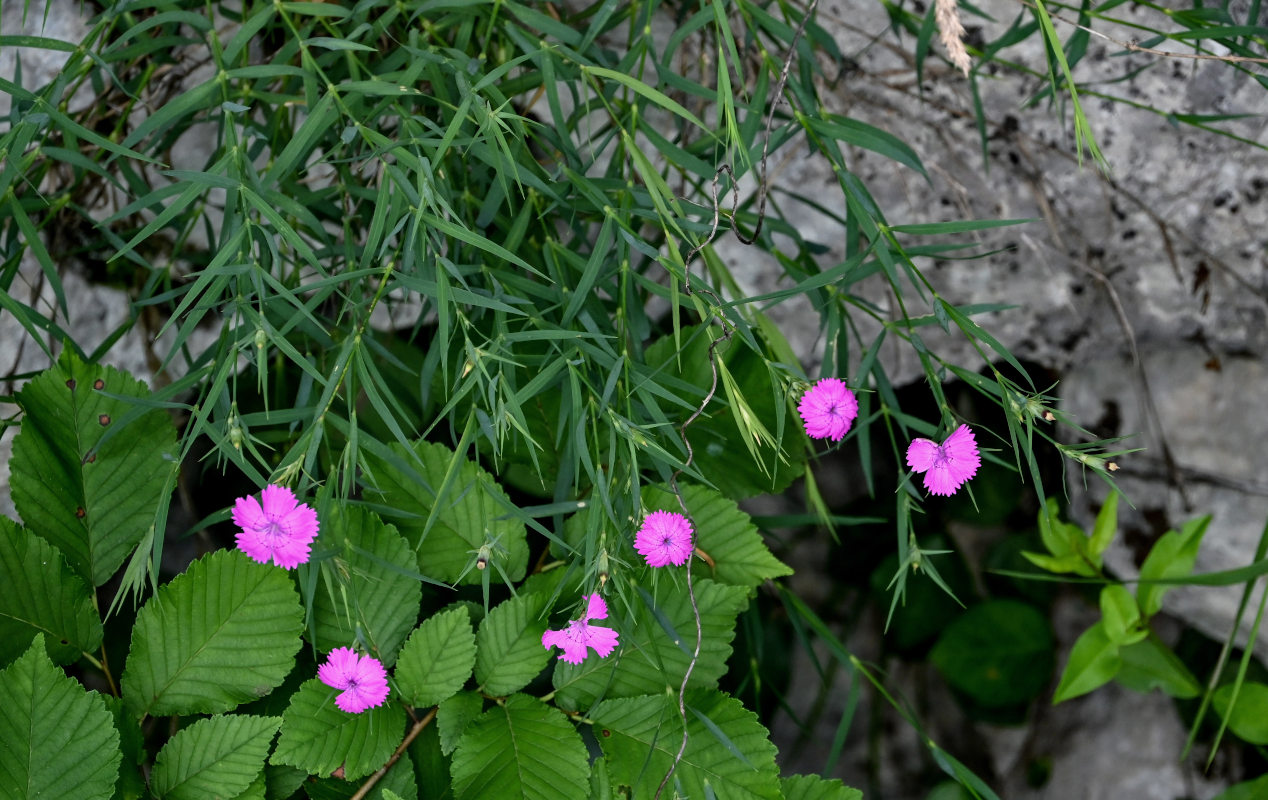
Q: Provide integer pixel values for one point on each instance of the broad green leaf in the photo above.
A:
(1256, 789)
(812, 787)
(437, 659)
(509, 650)
(640, 737)
(370, 591)
(1105, 528)
(454, 510)
(724, 532)
(131, 784)
(1249, 718)
(999, 653)
(216, 757)
(650, 659)
(1172, 556)
(40, 593)
(223, 633)
(320, 738)
(1121, 616)
(93, 500)
(521, 749)
(1094, 660)
(257, 789)
(398, 781)
(1148, 665)
(56, 740)
(454, 715)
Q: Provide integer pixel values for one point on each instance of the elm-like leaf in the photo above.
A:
(521, 749)
(655, 650)
(726, 533)
(40, 593)
(437, 658)
(216, 757)
(56, 740)
(88, 473)
(729, 754)
(370, 590)
(319, 737)
(812, 787)
(223, 633)
(509, 650)
(451, 509)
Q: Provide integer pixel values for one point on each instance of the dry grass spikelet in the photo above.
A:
(951, 32)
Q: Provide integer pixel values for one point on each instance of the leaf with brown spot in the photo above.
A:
(89, 487)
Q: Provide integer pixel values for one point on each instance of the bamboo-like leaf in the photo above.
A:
(221, 634)
(92, 496)
(437, 659)
(56, 740)
(39, 593)
(318, 737)
(216, 757)
(371, 591)
(521, 750)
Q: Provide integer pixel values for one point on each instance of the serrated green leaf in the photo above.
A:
(216, 757)
(812, 787)
(40, 593)
(521, 749)
(437, 659)
(370, 591)
(471, 513)
(398, 781)
(1094, 660)
(131, 783)
(282, 781)
(640, 737)
(256, 790)
(223, 633)
(726, 533)
(649, 659)
(318, 737)
(453, 716)
(93, 500)
(509, 650)
(56, 740)
(998, 652)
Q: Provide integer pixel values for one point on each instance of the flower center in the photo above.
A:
(274, 531)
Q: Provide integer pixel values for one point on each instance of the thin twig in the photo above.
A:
(409, 739)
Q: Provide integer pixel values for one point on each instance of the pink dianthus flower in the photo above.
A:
(278, 529)
(828, 409)
(580, 634)
(362, 679)
(948, 465)
(665, 538)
